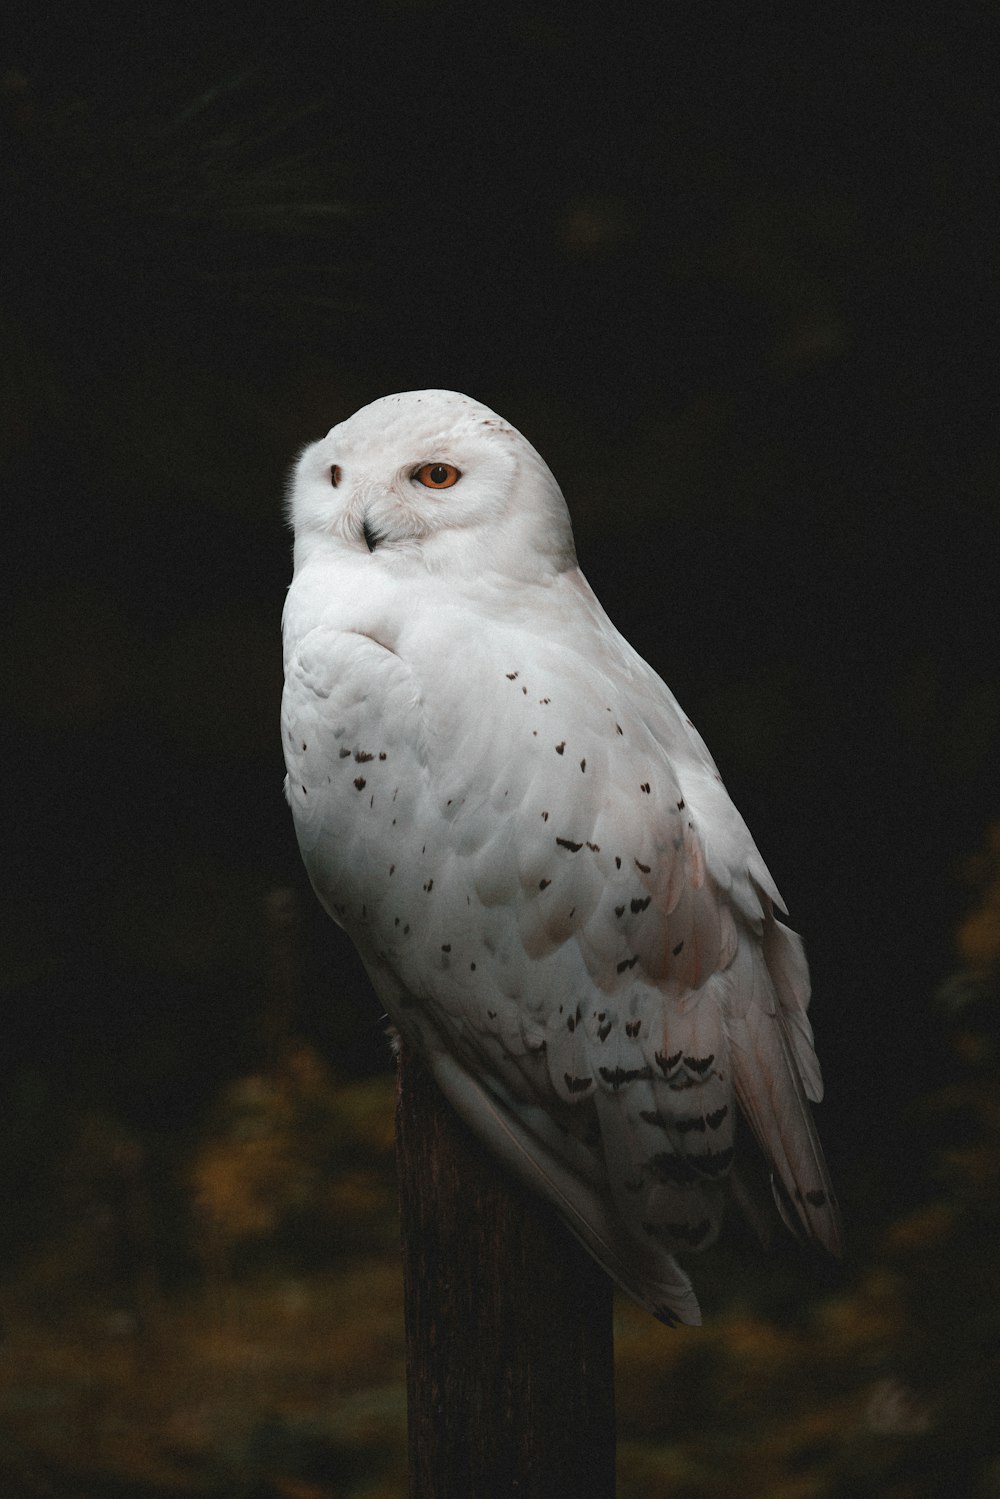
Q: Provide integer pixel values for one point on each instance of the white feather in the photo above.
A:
(532, 848)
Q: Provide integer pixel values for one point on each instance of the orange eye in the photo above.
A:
(335, 475)
(437, 475)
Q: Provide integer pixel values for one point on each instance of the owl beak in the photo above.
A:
(372, 537)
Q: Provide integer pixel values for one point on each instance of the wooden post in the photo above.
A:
(509, 1371)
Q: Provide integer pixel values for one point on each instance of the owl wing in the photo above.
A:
(557, 901)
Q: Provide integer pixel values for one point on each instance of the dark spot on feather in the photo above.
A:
(604, 1031)
(446, 947)
(571, 1024)
(560, 748)
(545, 817)
(583, 765)
(713, 1162)
(699, 1064)
(685, 1126)
(392, 869)
(643, 867)
(396, 922)
(304, 746)
(816, 1199)
(472, 967)
(619, 1076)
(360, 782)
(512, 676)
(619, 910)
(640, 905)
(362, 756)
(406, 930)
(492, 1014)
(305, 789)
(618, 862)
(667, 1064)
(574, 848)
(650, 1116)
(680, 805)
(544, 884)
(595, 848)
(714, 1119)
(382, 755)
(689, 1233)
(429, 886)
(678, 949)
(618, 727)
(545, 700)
(627, 963)
(345, 754)
(632, 1027)
(645, 787)
(578, 1084)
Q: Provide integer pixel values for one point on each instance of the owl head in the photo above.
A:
(430, 479)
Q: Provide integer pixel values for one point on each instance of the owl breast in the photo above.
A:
(491, 822)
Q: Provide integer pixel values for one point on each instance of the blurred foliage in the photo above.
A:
(294, 1165)
(273, 1365)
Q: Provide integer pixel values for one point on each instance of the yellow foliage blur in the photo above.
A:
(299, 1155)
(979, 933)
(276, 1366)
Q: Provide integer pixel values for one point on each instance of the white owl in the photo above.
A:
(532, 849)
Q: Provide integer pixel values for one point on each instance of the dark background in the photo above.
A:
(732, 273)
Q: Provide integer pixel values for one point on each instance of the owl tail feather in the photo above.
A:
(647, 1272)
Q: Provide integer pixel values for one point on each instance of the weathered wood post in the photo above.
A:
(510, 1385)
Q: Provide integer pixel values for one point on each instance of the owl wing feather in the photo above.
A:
(558, 902)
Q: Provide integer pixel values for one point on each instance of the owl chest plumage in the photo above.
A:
(471, 801)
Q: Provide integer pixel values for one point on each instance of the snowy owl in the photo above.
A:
(532, 849)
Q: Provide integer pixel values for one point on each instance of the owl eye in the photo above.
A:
(437, 475)
(335, 475)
